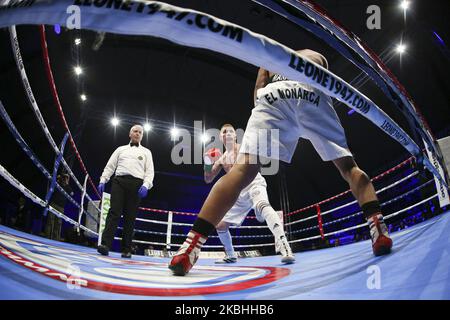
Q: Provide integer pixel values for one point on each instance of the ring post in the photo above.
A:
(169, 230)
(55, 173)
(83, 196)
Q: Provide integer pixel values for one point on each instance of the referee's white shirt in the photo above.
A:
(133, 161)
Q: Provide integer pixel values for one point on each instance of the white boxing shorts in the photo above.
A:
(289, 110)
(249, 197)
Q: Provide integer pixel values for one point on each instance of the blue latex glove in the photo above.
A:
(101, 188)
(142, 192)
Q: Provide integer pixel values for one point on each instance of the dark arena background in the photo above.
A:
(68, 97)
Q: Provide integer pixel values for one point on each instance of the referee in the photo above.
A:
(134, 173)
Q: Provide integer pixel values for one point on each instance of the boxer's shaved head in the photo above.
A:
(227, 128)
(226, 125)
(315, 57)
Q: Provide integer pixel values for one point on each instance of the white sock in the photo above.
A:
(225, 238)
(273, 222)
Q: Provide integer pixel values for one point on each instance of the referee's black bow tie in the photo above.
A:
(134, 144)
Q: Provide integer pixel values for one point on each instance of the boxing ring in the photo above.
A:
(418, 268)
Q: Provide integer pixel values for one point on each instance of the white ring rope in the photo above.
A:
(354, 202)
(35, 199)
(7, 176)
(377, 70)
(19, 139)
(365, 224)
(298, 240)
(32, 101)
(196, 29)
(205, 246)
(184, 235)
(190, 224)
(360, 212)
(302, 230)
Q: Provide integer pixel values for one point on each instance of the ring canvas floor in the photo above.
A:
(32, 268)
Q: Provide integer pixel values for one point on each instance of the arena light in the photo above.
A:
(174, 132)
(115, 121)
(83, 97)
(204, 138)
(77, 41)
(78, 70)
(258, 49)
(400, 49)
(147, 127)
(404, 5)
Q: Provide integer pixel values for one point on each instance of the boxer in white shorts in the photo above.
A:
(254, 196)
(296, 110)
(301, 111)
(308, 114)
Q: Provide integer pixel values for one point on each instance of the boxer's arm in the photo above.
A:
(261, 81)
(210, 175)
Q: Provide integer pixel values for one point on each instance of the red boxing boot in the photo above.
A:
(381, 242)
(188, 254)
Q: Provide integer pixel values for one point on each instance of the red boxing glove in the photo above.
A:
(211, 156)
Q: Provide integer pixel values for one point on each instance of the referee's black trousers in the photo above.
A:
(124, 200)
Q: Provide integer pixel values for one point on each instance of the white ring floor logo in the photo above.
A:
(130, 276)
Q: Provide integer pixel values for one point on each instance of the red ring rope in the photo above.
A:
(299, 210)
(51, 81)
